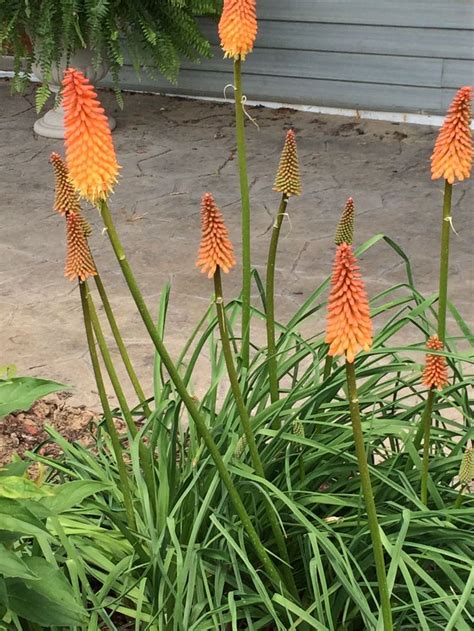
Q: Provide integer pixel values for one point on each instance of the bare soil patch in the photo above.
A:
(24, 431)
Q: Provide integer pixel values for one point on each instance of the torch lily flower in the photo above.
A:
(90, 153)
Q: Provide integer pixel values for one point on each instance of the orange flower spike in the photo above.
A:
(453, 150)
(288, 180)
(216, 249)
(238, 27)
(435, 374)
(79, 262)
(349, 327)
(66, 198)
(90, 153)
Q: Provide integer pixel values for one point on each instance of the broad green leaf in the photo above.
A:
(20, 488)
(17, 467)
(12, 566)
(21, 518)
(21, 392)
(48, 601)
(72, 494)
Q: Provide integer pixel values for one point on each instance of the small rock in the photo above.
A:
(30, 427)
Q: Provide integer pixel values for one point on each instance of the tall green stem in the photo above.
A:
(121, 345)
(442, 308)
(247, 427)
(270, 296)
(424, 419)
(444, 261)
(368, 497)
(187, 399)
(426, 446)
(244, 193)
(116, 446)
(109, 364)
(145, 453)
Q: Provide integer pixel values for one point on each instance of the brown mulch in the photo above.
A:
(24, 431)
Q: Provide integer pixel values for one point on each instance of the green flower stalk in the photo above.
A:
(245, 200)
(215, 250)
(288, 183)
(145, 453)
(444, 261)
(349, 329)
(109, 363)
(109, 421)
(366, 485)
(344, 234)
(435, 375)
(121, 345)
(426, 427)
(237, 32)
(451, 160)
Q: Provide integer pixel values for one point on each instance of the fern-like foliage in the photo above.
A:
(152, 35)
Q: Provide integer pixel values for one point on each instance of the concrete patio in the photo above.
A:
(173, 150)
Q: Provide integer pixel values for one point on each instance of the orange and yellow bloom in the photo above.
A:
(79, 261)
(238, 27)
(90, 153)
(435, 374)
(453, 151)
(216, 249)
(288, 180)
(349, 327)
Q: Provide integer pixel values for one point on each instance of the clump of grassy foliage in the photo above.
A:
(244, 510)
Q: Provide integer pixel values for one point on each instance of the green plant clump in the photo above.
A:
(152, 35)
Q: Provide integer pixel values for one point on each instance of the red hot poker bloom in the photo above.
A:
(79, 262)
(66, 198)
(90, 153)
(238, 27)
(349, 327)
(453, 150)
(435, 374)
(216, 249)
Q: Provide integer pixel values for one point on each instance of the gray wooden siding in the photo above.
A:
(395, 55)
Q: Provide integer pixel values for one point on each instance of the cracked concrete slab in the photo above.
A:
(172, 151)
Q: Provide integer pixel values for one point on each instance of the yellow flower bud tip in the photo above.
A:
(345, 228)
(288, 179)
(466, 471)
(298, 428)
(241, 446)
